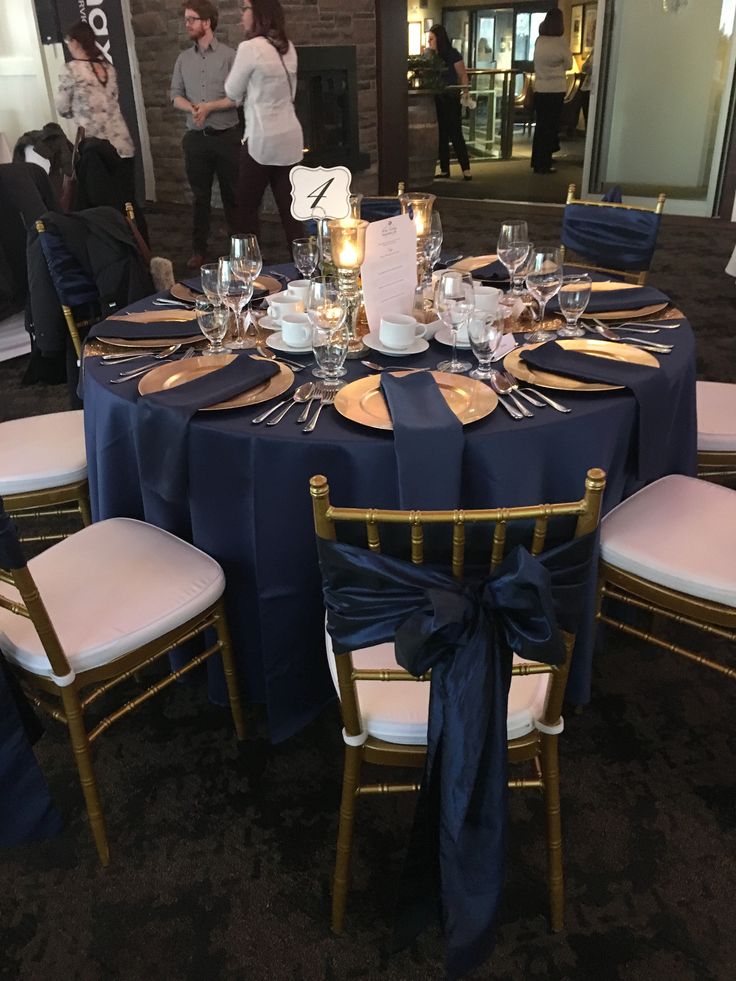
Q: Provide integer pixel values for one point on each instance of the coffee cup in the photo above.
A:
(296, 329)
(398, 331)
(279, 304)
(299, 288)
(462, 335)
(486, 299)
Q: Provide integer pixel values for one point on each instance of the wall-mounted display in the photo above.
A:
(589, 22)
(576, 28)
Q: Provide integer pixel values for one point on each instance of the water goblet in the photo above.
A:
(327, 312)
(306, 255)
(212, 319)
(208, 275)
(454, 303)
(485, 333)
(235, 293)
(543, 280)
(513, 248)
(247, 263)
(573, 297)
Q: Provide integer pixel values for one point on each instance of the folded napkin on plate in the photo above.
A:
(428, 441)
(648, 385)
(625, 298)
(492, 271)
(153, 325)
(163, 420)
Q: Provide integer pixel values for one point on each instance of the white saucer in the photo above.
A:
(277, 342)
(372, 341)
(444, 336)
(268, 323)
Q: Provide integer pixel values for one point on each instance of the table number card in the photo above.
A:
(320, 192)
(389, 271)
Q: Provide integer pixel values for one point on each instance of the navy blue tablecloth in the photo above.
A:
(249, 505)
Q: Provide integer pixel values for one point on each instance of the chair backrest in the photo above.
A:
(612, 237)
(14, 570)
(493, 524)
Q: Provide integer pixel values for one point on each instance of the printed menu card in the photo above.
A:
(389, 270)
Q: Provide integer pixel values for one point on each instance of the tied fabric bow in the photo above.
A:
(466, 633)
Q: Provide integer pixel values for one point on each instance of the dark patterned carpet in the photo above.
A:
(221, 857)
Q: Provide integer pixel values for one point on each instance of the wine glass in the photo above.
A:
(327, 311)
(513, 248)
(212, 319)
(306, 255)
(573, 298)
(485, 334)
(247, 262)
(235, 292)
(454, 302)
(543, 280)
(208, 274)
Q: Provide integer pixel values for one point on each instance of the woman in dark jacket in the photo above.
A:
(449, 111)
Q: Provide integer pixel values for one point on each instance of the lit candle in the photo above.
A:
(348, 257)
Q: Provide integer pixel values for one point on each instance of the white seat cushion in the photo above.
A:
(678, 532)
(42, 451)
(716, 402)
(108, 589)
(397, 711)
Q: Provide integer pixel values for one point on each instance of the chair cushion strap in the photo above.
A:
(553, 730)
(64, 680)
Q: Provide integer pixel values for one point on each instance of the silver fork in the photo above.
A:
(327, 398)
(524, 392)
(316, 396)
(142, 371)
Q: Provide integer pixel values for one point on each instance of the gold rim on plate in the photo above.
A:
(362, 401)
(630, 314)
(472, 262)
(614, 350)
(169, 375)
(152, 342)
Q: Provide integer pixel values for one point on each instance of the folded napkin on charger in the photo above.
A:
(163, 420)
(428, 441)
(147, 325)
(626, 297)
(648, 385)
(493, 271)
(195, 285)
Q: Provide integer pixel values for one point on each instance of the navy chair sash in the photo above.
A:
(616, 238)
(466, 632)
(11, 554)
(72, 285)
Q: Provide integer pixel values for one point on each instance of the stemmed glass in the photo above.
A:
(208, 275)
(247, 263)
(327, 311)
(306, 255)
(543, 280)
(485, 334)
(454, 302)
(235, 293)
(573, 298)
(212, 319)
(513, 248)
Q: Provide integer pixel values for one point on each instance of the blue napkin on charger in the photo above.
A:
(494, 271)
(195, 285)
(163, 421)
(131, 330)
(604, 301)
(428, 442)
(648, 385)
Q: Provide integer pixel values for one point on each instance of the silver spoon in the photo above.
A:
(644, 345)
(392, 367)
(501, 386)
(266, 352)
(288, 402)
(302, 394)
(156, 355)
(502, 401)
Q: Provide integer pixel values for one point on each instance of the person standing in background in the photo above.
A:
(264, 79)
(447, 104)
(552, 58)
(212, 141)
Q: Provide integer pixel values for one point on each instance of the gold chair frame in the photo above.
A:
(538, 748)
(711, 619)
(718, 466)
(50, 503)
(68, 688)
(639, 277)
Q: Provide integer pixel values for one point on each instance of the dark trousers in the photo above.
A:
(207, 156)
(253, 179)
(450, 126)
(548, 110)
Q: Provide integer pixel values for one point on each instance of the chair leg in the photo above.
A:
(83, 759)
(231, 675)
(84, 508)
(350, 781)
(551, 778)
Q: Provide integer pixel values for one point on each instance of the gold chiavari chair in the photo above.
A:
(668, 551)
(92, 611)
(581, 239)
(43, 470)
(716, 404)
(394, 715)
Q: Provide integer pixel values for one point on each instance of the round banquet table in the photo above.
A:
(248, 502)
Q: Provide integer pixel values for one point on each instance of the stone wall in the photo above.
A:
(160, 36)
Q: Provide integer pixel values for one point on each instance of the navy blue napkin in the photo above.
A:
(428, 441)
(495, 271)
(163, 421)
(195, 285)
(647, 384)
(626, 299)
(131, 330)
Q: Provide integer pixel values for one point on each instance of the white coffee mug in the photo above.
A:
(487, 298)
(296, 329)
(299, 288)
(283, 303)
(399, 331)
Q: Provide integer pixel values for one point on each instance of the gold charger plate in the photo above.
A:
(149, 342)
(268, 283)
(362, 401)
(603, 349)
(472, 262)
(630, 314)
(167, 376)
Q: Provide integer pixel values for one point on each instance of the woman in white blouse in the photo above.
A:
(263, 77)
(552, 58)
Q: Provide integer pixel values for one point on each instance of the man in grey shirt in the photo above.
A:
(212, 140)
